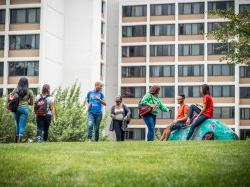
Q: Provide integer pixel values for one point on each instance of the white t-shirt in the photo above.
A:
(50, 99)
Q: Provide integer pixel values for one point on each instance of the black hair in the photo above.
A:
(182, 95)
(23, 87)
(205, 89)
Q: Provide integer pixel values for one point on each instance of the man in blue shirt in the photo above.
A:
(95, 101)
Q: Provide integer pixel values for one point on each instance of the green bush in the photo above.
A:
(71, 123)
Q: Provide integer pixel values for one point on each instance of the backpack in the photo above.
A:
(13, 102)
(41, 106)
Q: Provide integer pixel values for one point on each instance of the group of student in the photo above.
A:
(120, 114)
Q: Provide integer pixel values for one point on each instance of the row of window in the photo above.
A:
(19, 16)
(189, 91)
(23, 68)
(219, 113)
(169, 29)
(169, 50)
(183, 70)
(31, 41)
(169, 9)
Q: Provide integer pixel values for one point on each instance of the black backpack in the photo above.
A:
(13, 102)
(41, 106)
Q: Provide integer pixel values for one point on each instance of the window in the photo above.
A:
(2, 16)
(166, 115)
(191, 29)
(214, 26)
(24, 42)
(245, 8)
(191, 49)
(134, 31)
(222, 91)
(217, 48)
(245, 72)
(135, 134)
(162, 30)
(1, 69)
(223, 112)
(103, 7)
(162, 71)
(245, 113)
(220, 70)
(133, 92)
(133, 71)
(162, 9)
(191, 8)
(27, 68)
(102, 28)
(190, 91)
(134, 51)
(30, 15)
(102, 50)
(166, 91)
(134, 113)
(1, 42)
(162, 50)
(101, 70)
(133, 11)
(191, 70)
(1, 92)
(245, 92)
(220, 5)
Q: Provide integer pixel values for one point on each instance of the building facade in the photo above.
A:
(46, 41)
(168, 43)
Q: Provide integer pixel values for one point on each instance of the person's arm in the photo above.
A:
(163, 107)
(101, 99)
(204, 107)
(31, 98)
(128, 112)
(112, 113)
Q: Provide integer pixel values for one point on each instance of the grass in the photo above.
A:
(210, 163)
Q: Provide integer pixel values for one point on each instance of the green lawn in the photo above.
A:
(126, 164)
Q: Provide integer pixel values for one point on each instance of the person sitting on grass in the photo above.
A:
(204, 111)
(181, 119)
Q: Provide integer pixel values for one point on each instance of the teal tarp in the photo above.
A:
(221, 131)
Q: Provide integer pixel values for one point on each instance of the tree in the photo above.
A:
(236, 34)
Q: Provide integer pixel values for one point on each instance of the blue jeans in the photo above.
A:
(197, 122)
(177, 125)
(150, 121)
(21, 118)
(94, 121)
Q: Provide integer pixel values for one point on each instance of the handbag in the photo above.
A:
(145, 109)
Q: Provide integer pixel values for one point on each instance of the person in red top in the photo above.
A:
(204, 111)
(181, 119)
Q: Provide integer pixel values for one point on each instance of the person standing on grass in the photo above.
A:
(204, 111)
(120, 115)
(152, 100)
(181, 119)
(45, 112)
(26, 98)
(95, 101)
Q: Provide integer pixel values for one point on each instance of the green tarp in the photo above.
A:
(220, 131)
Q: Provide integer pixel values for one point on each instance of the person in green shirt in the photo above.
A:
(152, 99)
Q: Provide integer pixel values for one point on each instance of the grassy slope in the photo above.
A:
(126, 164)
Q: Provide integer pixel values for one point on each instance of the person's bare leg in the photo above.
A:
(165, 133)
